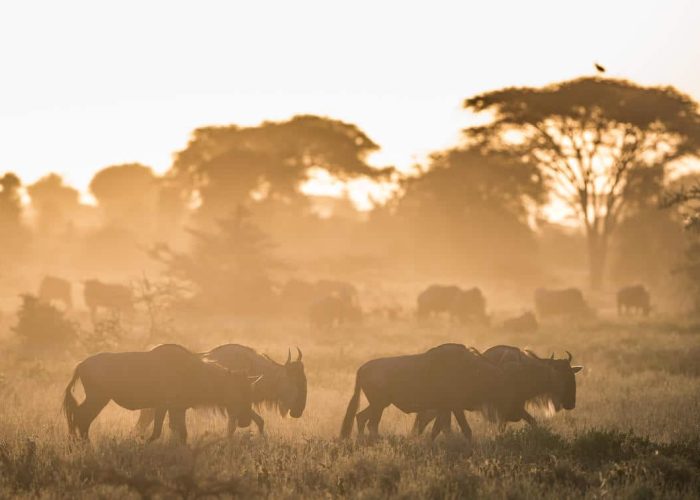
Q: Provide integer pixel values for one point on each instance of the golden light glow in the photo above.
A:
(87, 85)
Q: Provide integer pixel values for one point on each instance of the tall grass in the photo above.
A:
(634, 433)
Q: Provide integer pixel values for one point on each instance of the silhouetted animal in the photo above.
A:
(541, 382)
(600, 68)
(55, 289)
(567, 302)
(448, 378)
(169, 378)
(281, 386)
(341, 289)
(460, 305)
(633, 299)
(331, 311)
(525, 323)
(109, 296)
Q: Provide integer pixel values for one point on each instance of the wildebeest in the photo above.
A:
(169, 378)
(566, 302)
(633, 299)
(52, 288)
(548, 383)
(449, 378)
(331, 311)
(282, 385)
(460, 305)
(109, 296)
(525, 323)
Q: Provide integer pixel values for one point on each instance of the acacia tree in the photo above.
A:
(587, 135)
(231, 165)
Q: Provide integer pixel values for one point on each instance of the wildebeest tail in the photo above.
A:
(350, 413)
(70, 405)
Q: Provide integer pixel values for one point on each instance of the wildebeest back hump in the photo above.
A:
(133, 380)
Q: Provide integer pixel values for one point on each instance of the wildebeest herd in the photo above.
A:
(328, 304)
(446, 380)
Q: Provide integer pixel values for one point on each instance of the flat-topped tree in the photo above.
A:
(587, 135)
(229, 165)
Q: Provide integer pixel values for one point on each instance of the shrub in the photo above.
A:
(41, 326)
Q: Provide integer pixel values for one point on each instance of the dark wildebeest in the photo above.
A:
(632, 300)
(548, 383)
(449, 378)
(331, 311)
(525, 323)
(282, 385)
(55, 289)
(566, 302)
(109, 296)
(460, 305)
(169, 378)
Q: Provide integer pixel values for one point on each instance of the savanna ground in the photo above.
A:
(635, 431)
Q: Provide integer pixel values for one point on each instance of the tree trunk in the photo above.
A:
(597, 255)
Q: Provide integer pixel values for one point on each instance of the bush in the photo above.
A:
(41, 326)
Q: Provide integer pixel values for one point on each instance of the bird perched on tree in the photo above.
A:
(601, 69)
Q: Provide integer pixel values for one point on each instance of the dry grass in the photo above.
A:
(635, 431)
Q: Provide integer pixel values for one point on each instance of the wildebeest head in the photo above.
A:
(293, 390)
(563, 382)
(240, 402)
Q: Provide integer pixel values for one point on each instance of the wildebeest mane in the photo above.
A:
(264, 355)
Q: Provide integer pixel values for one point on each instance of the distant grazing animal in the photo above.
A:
(460, 305)
(169, 378)
(109, 296)
(282, 385)
(632, 300)
(449, 378)
(52, 288)
(567, 302)
(331, 311)
(341, 289)
(534, 381)
(525, 323)
(298, 296)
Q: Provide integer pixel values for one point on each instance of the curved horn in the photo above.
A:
(289, 356)
(299, 354)
(570, 356)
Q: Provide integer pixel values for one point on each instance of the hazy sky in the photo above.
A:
(87, 84)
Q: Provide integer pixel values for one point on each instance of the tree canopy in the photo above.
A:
(470, 209)
(55, 202)
(229, 165)
(586, 135)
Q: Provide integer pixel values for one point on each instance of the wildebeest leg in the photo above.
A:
(463, 425)
(146, 417)
(176, 422)
(158, 424)
(232, 424)
(258, 421)
(374, 417)
(529, 418)
(442, 422)
(423, 418)
(88, 411)
(362, 418)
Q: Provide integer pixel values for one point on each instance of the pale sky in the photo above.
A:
(86, 84)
